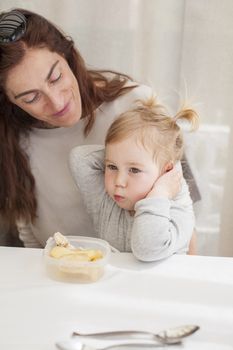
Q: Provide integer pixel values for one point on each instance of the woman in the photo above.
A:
(49, 103)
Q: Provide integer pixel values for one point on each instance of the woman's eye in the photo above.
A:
(31, 99)
(111, 167)
(54, 79)
(134, 170)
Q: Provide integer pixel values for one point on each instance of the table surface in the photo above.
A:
(36, 311)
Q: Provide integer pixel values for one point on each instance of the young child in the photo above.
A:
(133, 189)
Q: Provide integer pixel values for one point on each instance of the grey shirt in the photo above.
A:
(159, 228)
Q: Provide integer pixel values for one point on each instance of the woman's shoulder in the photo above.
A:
(139, 91)
(127, 100)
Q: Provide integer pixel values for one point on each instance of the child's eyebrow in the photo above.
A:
(131, 164)
(134, 164)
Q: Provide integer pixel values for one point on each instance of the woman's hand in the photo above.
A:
(167, 185)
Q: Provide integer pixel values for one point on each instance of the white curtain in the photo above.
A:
(183, 49)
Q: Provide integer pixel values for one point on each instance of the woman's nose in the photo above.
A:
(54, 98)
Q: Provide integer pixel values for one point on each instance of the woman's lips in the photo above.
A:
(63, 111)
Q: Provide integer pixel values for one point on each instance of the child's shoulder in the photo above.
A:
(84, 151)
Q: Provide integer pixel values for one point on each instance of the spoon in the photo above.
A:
(168, 336)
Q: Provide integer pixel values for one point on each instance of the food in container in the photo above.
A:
(76, 258)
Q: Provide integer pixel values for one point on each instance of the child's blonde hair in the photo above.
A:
(154, 128)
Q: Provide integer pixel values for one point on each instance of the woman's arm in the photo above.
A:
(193, 244)
(26, 235)
(188, 175)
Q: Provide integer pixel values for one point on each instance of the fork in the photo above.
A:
(77, 345)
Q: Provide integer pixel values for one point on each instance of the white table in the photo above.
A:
(36, 312)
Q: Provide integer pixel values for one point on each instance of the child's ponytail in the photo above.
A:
(189, 115)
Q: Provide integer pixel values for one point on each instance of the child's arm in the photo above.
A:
(163, 226)
(87, 168)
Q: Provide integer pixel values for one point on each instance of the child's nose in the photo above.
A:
(121, 180)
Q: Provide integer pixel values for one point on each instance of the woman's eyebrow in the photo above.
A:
(51, 70)
(46, 79)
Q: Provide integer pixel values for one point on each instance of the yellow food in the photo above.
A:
(58, 251)
(76, 257)
(93, 254)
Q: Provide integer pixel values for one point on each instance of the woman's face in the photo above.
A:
(44, 86)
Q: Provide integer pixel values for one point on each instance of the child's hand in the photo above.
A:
(167, 185)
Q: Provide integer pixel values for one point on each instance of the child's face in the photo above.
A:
(130, 172)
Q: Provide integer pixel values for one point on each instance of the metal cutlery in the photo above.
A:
(168, 336)
(78, 345)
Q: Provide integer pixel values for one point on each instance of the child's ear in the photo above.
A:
(167, 167)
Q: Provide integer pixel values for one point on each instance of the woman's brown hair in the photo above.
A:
(18, 188)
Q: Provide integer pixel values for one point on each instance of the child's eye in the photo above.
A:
(134, 170)
(111, 167)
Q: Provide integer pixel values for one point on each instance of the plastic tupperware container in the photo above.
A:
(68, 269)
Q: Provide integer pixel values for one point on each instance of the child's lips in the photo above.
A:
(118, 198)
